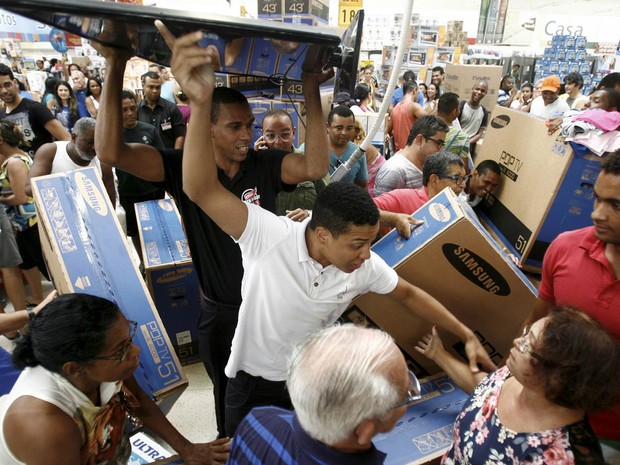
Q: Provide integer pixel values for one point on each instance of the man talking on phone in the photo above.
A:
(279, 134)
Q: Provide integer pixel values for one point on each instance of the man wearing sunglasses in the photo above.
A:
(347, 384)
(404, 169)
(441, 170)
(279, 133)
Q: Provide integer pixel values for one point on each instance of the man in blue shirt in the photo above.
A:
(347, 384)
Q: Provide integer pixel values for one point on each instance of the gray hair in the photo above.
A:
(439, 163)
(82, 125)
(339, 378)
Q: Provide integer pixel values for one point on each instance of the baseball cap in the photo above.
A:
(551, 83)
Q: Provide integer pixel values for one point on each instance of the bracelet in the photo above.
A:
(31, 313)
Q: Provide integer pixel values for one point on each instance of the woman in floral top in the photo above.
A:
(533, 410)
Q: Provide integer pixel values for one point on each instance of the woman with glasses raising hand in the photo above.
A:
(77, 387)
(533, 410)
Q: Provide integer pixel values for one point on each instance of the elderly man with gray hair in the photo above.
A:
(347, 384)
(65, 156)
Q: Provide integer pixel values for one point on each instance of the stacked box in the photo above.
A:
(453, 258)
(86, 251)
(259, 108)
(170, 274)
(565, 55)
(546, 188)
(461, 79)
(315, 10)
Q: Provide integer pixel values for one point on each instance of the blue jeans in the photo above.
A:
(245, 392)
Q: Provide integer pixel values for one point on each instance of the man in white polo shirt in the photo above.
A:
(298, 277)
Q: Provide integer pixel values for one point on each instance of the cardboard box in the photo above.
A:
(170, 274)
(425, 432)
(453, 258)
(461, 79)
(86, 251)
(545, 190)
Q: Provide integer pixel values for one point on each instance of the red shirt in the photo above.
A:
(404, 201)
(577, 273)
(402, 120)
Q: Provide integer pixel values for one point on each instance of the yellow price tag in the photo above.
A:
(347, 9)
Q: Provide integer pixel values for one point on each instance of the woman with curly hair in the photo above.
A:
(64, 105)
(534, 409)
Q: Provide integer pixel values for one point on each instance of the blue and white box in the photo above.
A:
(86, 251)
(170, 274)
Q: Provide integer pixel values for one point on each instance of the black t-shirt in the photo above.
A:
(128, 184)
(166, 118)
(216, 256)
(32, 118)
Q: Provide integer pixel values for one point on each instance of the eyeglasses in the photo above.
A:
(413, 393)
(440, 143)
(457, 179)
(524, 347)
(284, 137)
(122, 352)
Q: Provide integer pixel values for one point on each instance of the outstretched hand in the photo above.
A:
(192, 64)
(430, 344)
(211, 453)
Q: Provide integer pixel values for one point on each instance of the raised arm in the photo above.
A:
(432, 347)
(141, 160)
(41, 165)
(192, 66)
(428, 308)
(314, 162)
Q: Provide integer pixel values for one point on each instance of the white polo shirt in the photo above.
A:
(287, 295)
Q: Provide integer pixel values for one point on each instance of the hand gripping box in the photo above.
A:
(461, 79)
(170, 274)
(425, 431)
(546, 188)
(453, 258)
(86, 251)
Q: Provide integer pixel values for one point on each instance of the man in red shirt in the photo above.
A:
(404, 115)
(582, 269)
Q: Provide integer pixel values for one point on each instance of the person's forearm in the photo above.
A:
(178, 142)
(13, 321)
(199, 166)
(109, 127)
(316, 145)
(458, 371)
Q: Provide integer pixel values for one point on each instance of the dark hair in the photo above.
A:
(425, 87)
(361, 92)
(72, 65)
(580, 361)
(342, 205)
(529, 85)
(50, 85)
(608, 82)
(488, 165)
(438, 69)
(574, 78)
(151, 75)
(53, 62)
(409, 75)
(503, 81)
(127, 94)
(613, 96)
(409, 86)
(6, 71)
(341, 110)
(74, 114)
(427, 126)
(439, 163)
(448, 102)
(71, 328)
(11, 133)
(97, 80)
(611, 164)
(437, 89)
(278, 112)
(226, 96)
